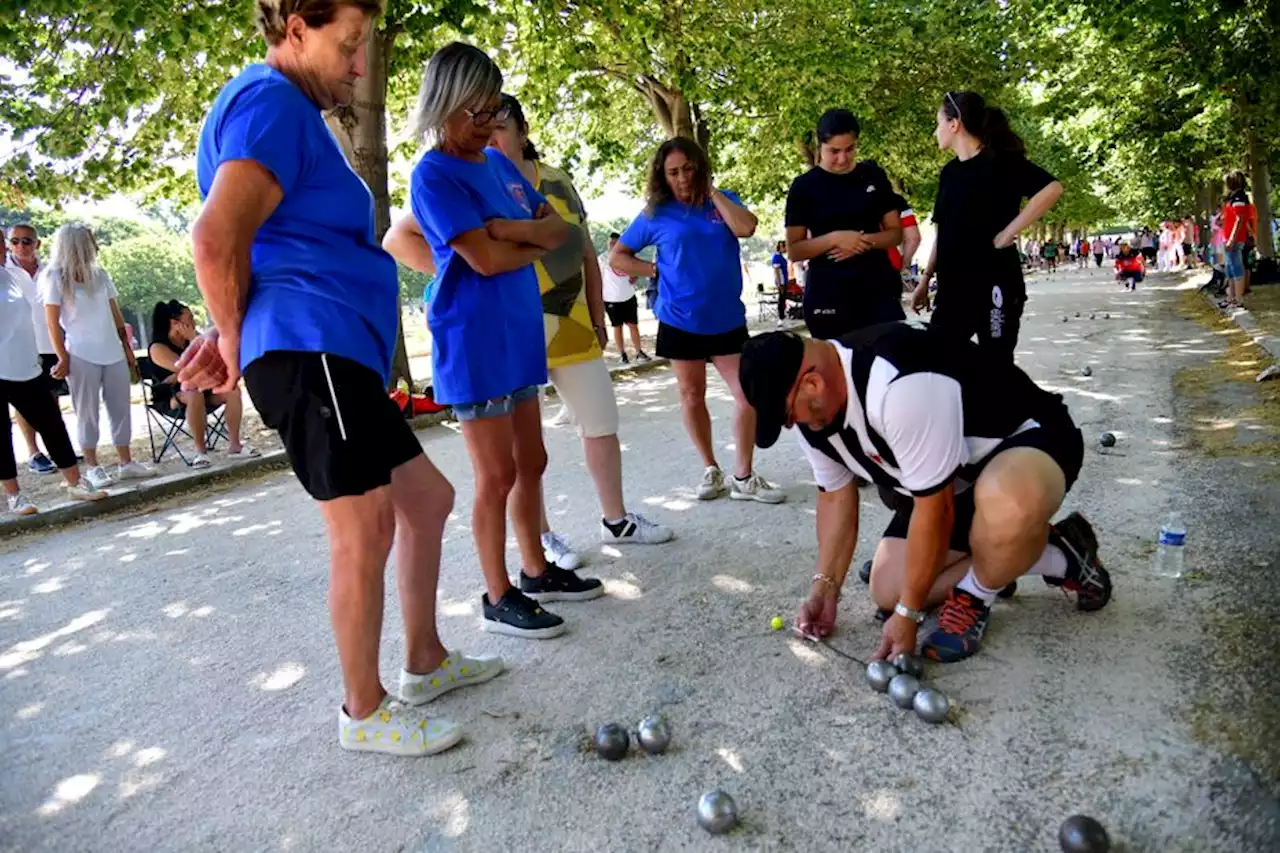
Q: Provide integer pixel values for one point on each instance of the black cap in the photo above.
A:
(770, 364)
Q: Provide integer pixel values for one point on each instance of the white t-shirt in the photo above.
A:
(88, 323)
(616, 288)
(32, 291)
(19, 361)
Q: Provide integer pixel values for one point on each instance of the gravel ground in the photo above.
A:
(169, 681)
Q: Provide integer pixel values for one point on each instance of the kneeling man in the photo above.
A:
(979, 455)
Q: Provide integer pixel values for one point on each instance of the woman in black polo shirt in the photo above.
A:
(841, 217)
(980, 286)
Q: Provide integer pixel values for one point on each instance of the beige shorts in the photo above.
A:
(587, 390)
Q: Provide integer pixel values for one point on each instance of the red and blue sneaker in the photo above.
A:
(1086, 577)
(961, 621)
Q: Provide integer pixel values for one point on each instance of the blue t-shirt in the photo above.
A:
(320, 282)
(487, 334)
(699, 266)
(779, 268)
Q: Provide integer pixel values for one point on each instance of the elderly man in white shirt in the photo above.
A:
(23, 265)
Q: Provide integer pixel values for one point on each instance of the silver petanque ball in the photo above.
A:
(1088, 371)
(931, 706)
(1082, 834)
(910, 664)
(1107, 439)
(903, 689)
(717, 812)
(612, 742)
(879, 674)
(653, 735)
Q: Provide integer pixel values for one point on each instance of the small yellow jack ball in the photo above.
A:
(776, 623)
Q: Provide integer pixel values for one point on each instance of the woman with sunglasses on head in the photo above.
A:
(843, 217)
(980, 285)
(696, 228)
(480, 224)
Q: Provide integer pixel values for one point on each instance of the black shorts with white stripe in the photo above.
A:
(342, 432)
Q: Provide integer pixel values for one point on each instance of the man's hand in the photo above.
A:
(1004, 239)
(899, 636)
(602, 334)
(211, 362)
(817, 617)
(62, 368)
(920, 296)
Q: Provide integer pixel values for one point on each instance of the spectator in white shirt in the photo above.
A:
(621, 305)
(23, 387)
(24, 266)
(89, 336)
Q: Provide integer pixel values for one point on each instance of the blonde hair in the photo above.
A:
(74, 260)
(458, 75)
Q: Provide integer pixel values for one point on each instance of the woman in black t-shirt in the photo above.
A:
(980, 286)
(841, 217)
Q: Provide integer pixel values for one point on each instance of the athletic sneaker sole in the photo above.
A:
(585, 595)
(632, 540)
(743, 496)
(490, 626)
(710, 496)
(404, 748)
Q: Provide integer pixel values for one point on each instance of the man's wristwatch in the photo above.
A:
(916, 616)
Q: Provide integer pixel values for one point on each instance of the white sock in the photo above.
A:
(971, 585)
(1052, 563)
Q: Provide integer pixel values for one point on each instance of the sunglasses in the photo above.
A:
(22, 241)
(483, 117)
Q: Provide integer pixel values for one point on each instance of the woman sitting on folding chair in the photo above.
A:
(172, 328)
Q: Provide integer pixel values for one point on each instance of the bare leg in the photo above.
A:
(744, 417)
(493, 463)
(691, 376)
(10, 486)
(235, 414)
(1015, 496)
(617, 340)
(634, 329)
(28, 434)
(194, 401)
(360, 533)
(604, 461)
(526, 495)
(889, 570)
(423, 499)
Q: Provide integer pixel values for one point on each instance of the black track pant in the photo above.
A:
(34, 401)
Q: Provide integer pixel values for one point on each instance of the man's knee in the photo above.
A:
(886, 573)
(693, 393)
(1018, 499)
(362, 525)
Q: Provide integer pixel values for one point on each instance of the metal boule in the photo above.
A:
(931, 706)
(903, 689)
(1088, 371)
(1082, 834)
(1107, 439)
(910, 664)
(864, 573)
(612, 742)
(717, 812)
(653, 735)
(879, 674)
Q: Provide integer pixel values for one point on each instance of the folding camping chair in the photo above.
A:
(171, 423)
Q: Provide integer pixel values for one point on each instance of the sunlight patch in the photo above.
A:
(69, 791)
(284, 676)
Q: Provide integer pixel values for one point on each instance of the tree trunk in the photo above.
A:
(675, 115)
(361, 129)
(1260, 164)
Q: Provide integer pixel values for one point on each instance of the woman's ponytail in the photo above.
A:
(997, 136)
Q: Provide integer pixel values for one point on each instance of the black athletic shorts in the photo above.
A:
(342, 432)
(1149, 252)
(679, 345)
(621, 313)
(991, 312)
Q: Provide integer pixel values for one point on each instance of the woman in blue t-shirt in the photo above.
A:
(701, 318)
(480, 225)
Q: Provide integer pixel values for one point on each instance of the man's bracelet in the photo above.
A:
(823, 579)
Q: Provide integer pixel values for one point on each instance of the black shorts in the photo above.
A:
(1097, 258)
(1186, 250)
(679, 345)
(1149, 253)
(991, 312)
(827, 323)
(901, 521)
(621, 313)
(342, 432)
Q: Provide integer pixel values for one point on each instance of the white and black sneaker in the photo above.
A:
(558, 551)
(634, 529)
(517, 616)
(557, 584)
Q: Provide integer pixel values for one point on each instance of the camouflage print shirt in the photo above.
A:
(566, 320)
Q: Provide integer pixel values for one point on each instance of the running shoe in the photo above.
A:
(82, 491)
(20, 505)
(756, 488)
(517, 615)
(133, 471)
(397, 729)
(712, 485)
(961, 622)
(564, 417)
(557, 584)
(625, 360)
(456, 670)
(634, 529)
(41, 464)
(98, 478)
(557, 551)
(642, 356)
(1085, 575)
(245, 452)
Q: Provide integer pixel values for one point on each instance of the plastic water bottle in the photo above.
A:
(1170, 545)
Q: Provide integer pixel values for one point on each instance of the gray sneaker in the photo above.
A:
(756, 488)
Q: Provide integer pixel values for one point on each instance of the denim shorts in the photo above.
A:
(495, 408)
(1235, 261)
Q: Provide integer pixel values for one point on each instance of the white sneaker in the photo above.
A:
(756, 488)
(455, 671)
(133, 471)
(712, 485)
(557, 551)
(245, 452)
(98, 478)
(564, 417)
(200, 460)
(19, 505)
(636, 530)
(397, 729)
(82, 492)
